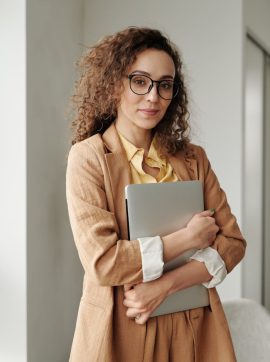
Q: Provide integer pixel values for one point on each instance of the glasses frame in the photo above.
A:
(130, 76)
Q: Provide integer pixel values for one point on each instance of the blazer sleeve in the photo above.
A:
(229, 242)
(108, 260)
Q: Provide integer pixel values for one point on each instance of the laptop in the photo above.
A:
(159, 209)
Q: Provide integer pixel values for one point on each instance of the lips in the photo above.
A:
(149, 111)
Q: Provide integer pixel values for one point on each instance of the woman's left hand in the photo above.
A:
(142, 299)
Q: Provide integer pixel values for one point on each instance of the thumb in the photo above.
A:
(209, 212)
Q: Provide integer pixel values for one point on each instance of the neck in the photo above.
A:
(139, 137)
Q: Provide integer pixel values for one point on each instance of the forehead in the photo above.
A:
(157, 63)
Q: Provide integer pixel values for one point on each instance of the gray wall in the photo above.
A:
(53, 270)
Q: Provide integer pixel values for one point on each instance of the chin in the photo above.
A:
(149, 126)
(148, 123)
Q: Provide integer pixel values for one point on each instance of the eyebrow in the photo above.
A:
(148, 74)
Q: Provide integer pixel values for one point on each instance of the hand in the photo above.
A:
(142, 299)
(202, 229)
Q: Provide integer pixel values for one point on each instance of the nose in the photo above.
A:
(153, 94)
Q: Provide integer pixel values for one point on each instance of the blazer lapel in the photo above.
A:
(184, 165)
(119, 173)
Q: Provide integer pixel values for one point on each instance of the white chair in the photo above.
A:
(249, 324)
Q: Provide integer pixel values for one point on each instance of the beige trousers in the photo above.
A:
(165, 338)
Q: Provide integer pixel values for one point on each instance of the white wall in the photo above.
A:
(53, 269)
(209, 35)
(257, 25)
(13, 181)
(253, 212)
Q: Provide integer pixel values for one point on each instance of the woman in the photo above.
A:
(131, 126)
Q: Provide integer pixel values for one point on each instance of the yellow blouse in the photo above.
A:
(153, 159)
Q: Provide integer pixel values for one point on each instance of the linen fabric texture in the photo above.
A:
(97, 173)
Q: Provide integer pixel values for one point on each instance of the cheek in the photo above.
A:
(165, 106)
(129, 99)
(132, 102)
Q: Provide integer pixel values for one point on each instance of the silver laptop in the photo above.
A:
(159, 209)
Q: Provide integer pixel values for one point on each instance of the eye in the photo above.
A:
(166, 85)
(139, 81)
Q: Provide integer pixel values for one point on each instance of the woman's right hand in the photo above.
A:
(199, 233)
(202, 229)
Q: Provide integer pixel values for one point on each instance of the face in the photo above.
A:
(144, 112)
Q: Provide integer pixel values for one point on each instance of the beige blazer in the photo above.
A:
(97, 173)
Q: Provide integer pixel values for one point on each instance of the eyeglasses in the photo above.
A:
(142, 84)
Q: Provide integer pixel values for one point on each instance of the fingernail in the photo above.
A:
(212, 210)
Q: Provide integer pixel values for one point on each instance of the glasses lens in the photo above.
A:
(140, 84)
(167, 89)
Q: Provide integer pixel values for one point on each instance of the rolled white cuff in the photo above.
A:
(214, 264)
(152, 257)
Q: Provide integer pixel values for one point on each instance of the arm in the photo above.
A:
(199, 234)
(229, 244)
(95, 229)
(144, 298)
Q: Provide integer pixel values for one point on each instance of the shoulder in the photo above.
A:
(194, 151)
(196, 159)
(86, 154)
(88, 146)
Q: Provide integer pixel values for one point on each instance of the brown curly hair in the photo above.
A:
(98, 91)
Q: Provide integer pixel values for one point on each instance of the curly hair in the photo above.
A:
(97, 93)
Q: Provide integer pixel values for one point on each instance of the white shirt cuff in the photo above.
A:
(152, 257)
(214, 264)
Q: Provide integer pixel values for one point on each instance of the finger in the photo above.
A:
(130, 294)
(128, 287)
(214, 228)
(213, 236)
(211, 239)
(133, 304)
(134, 312)
(143, 318)
(209, 212)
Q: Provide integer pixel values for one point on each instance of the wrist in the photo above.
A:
(188, 238)
(190, 274)
(175, 244)
(166, 284)
(170, 280)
